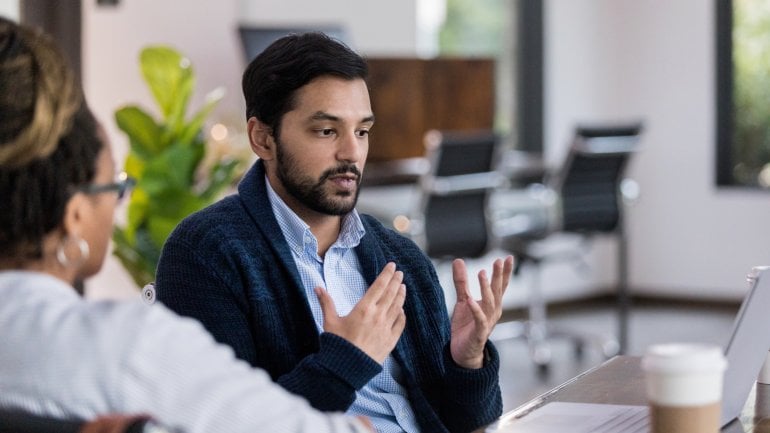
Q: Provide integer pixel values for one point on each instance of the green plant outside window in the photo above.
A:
(751, 90)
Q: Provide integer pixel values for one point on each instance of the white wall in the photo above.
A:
(375, 27)
(9, 9)
(623, 59)
(206, 31)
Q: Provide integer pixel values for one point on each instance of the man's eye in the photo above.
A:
(325, 132)
(362, 132)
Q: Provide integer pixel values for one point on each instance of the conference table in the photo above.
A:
(620, 380)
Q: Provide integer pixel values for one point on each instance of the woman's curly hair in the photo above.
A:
(48, 140)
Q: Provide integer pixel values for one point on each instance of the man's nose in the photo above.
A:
(350, 147)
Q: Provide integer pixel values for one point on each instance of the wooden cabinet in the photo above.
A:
(410, 96)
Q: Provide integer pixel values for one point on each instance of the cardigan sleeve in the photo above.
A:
(192, 286)
(472, 396)
(330, 378)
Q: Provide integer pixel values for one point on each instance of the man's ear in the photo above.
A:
(261, 139)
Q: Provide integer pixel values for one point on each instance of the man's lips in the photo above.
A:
(344, 177)
(347, 182)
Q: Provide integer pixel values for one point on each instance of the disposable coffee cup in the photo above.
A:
(684, 387)
(762, 404)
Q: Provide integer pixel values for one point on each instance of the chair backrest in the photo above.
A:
(455, 192)
(588, 185)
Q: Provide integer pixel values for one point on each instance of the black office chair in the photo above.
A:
(585, 197)
(451, 219)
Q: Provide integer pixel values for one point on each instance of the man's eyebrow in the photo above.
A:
(322, 115)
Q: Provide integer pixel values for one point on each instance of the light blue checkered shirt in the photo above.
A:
(383, 399)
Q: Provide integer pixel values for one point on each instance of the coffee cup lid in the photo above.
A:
(684, 357)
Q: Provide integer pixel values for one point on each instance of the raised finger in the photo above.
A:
(391, 290)
(507, 273)
(328, 309)
(398, 325)
(498, 275)
(479, 318)
(487, 293)
(397, 306)
(380, 284)
(460, 277)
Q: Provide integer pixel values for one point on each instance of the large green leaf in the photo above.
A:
(194, 126)
(171, 80)
(149, 251)
(137, 211)
(134, 165)
(174, 168)
(175, 203)
(144, 133)
(160, 228)
(141, 270)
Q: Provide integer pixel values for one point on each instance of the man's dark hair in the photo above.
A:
(273, 77)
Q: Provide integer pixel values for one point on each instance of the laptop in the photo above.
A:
(745, 352)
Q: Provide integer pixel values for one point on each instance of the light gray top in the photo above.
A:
(67, 357)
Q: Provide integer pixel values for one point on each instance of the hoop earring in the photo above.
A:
(61, 255)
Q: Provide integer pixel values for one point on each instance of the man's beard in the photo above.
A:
(311, 193)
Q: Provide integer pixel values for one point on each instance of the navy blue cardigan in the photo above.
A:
(230, 267)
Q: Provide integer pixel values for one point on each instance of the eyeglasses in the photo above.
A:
(121, 186)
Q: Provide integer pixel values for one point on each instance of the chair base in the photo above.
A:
(538, 337)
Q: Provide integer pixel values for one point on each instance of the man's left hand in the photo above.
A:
(472, 320)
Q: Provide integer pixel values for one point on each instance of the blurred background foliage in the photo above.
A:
(176, 170)
(474, 27)
(751, 92)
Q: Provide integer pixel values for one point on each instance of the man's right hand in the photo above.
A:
(377, 321)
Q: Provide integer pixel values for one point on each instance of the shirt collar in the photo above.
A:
(295, 230)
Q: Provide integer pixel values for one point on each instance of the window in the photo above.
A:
(9, 9)
(508, 31)
(743, 93)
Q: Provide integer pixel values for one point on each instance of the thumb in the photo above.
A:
(327, 305)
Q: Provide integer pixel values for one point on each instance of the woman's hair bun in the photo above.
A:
(38, 95)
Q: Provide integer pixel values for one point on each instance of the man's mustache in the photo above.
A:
(342, 169)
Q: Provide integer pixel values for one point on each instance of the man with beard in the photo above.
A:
(337, 308)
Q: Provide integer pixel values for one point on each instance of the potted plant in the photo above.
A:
(168, 159)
